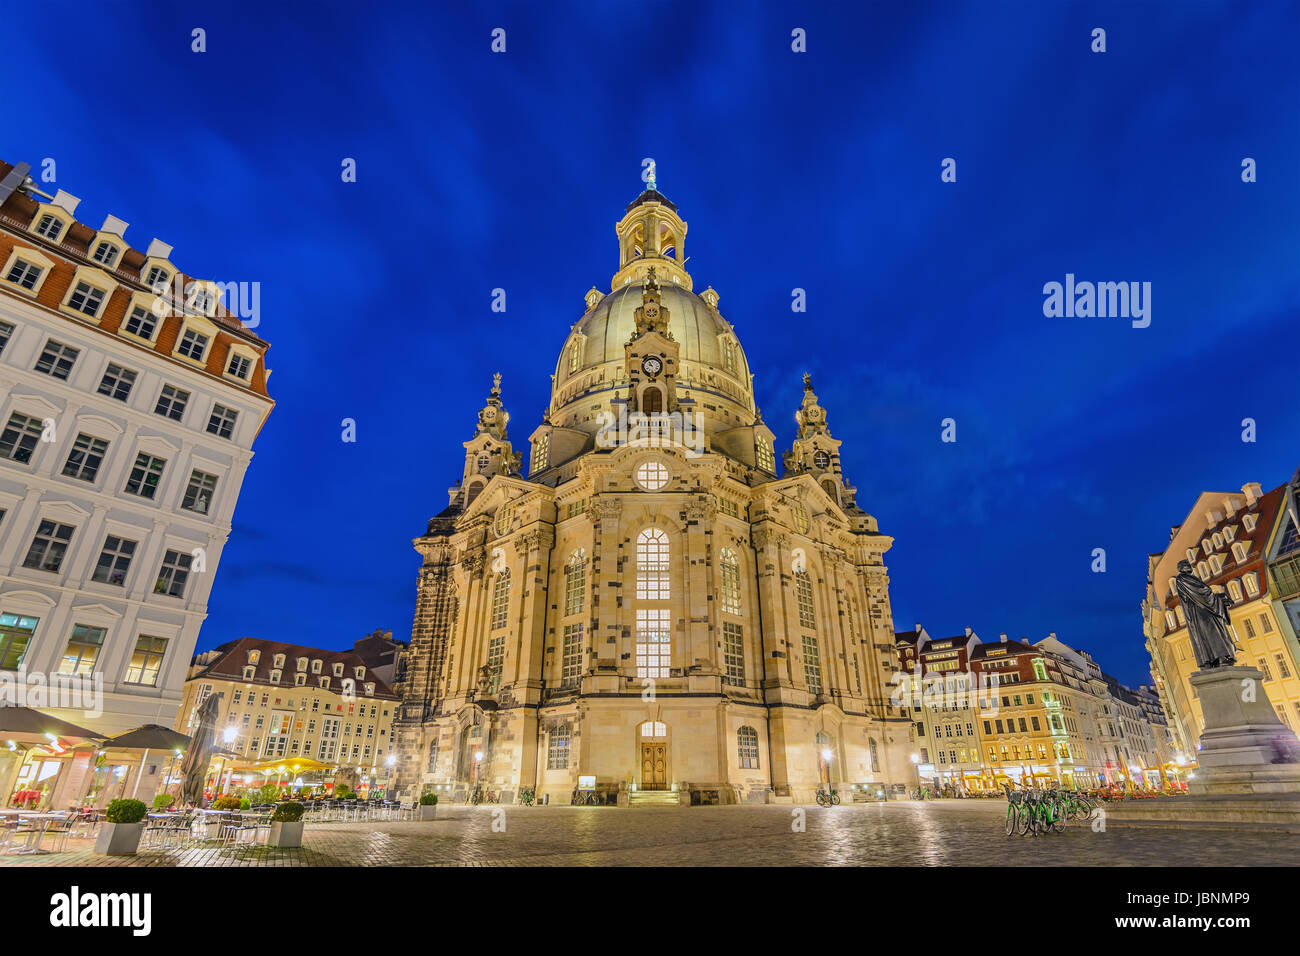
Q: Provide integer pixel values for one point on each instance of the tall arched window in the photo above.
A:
(557, 748)
(500, 598)
(728, 355)
(763, 455)
(747, 748)
(541, 453)
(575, 583)
(652, 401)
(652, 553)
(575, 356)
(433, 756)
(730, 574)
(875, 755)
(804, 594)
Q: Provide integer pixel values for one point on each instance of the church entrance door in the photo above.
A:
(654, 766)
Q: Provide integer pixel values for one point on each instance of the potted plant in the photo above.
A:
(286, 825)
(212, 824)
(120, 834)
(163, 801)
(428, 806)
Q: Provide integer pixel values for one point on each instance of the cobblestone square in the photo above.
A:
(942, 833)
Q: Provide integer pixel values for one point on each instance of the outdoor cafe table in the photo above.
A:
(35, 834)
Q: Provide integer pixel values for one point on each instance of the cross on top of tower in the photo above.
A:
(650, 177)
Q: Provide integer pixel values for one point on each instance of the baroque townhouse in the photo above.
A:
(1237, 543)
(294, 706)
(129, 402)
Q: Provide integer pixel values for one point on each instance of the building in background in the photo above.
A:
(285, 705)
(1242, 544)
(130, 398)
(385, 657)
(1019, 713)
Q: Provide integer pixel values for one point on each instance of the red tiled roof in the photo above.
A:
(233, 658)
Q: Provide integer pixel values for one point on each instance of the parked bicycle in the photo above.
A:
(828, 798)
(526, 797)
(586, 798)
(1045, 810)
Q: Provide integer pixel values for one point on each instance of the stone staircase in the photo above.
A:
(653, 798)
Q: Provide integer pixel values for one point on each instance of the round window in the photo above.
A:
(652, 475)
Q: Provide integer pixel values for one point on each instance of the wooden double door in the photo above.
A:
(654, 765)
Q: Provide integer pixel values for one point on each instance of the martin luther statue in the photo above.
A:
(1207, 619)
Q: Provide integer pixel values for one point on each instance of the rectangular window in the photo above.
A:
(1265, 624)
(146, 661)
(733, 653)
(1282, 667)
(141, 322)
(24, 274)
(15, 637)
(84, 459)
(240, 366)
(496, 661)
(571, 660)
(145, 475)
(222, 421)
(86, 299)
(1034, 722)
(82, 651)
(49, 546)
(557, 749)
(173, 574)
(6, 331)
(117, 382)
(653, 643)
(199, 492)
(114, 561)
(1250, 628)
(19, 438)
(193, 344)
(812, 665)
(171, 402)
(57, 360)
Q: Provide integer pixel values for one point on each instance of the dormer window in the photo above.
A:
(279, 660)
(300, 680)
(1218, 541)
(1234, 591)
(1202, 570)
(1216, 563)
(239, 366)
(275, 676)
(193, 344)
(51, 227)
(302, 663)
(370, 690)
(1230, 532)
(1251, 581)
(315, 666)
(359, 672)
(338, 670)
(157, 278)
(254, 656)
(1248, 523)
(106, 254)
(249, 672)
(1205, 546)
(325, 682)
(1191, 554)
(202, 300)
(1239, 552)
(24, 274)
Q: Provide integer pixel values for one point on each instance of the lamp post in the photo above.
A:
(227, 737)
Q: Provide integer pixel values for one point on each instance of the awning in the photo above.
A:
(148, 737)
(31, 726)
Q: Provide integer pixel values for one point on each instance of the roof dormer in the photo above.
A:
(202, 297)
(157, 271)
(240, 362)
(53, 218)
(109, 243)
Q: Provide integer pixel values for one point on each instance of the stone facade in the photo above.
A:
(653, 609)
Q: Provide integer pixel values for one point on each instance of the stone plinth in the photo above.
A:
(1244, 747)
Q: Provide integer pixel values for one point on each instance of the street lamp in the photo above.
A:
(227, 737)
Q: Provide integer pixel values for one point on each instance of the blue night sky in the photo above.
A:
(818, 170)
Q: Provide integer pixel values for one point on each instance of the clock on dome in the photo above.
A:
(652, 365)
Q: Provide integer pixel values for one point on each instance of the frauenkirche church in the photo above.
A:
(656, 613)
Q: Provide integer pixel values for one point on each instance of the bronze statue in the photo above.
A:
(1208, 624)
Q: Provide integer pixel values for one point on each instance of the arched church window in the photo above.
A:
(729, 567)
(575, 356)
(652, 553)
(800, 515)
(654, 728)
(728, 355)
(433, 756)
(804, 595)
(821, 461)
(500, 598)
(828, 486)
(541, 453)
(763, 454)
(652, 400)
(747, 747)
(557, 748)
(474, 488)
(875, 755)
(575, 582)
(505, 514)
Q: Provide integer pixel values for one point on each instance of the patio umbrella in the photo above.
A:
(23, 723)
(147, 737)
(194, 768)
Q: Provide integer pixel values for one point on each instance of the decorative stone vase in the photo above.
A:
(285, 835)
(119, 839)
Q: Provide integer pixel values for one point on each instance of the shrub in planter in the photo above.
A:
(428, 806)
(286, 825)
(228, 803)
(120, 836)
(244, 803)
(163, 801)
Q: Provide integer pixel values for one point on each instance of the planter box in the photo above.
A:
(427, 812)
(119, 839)
(285, 834)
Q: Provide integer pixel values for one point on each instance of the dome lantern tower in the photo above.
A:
(651, 234)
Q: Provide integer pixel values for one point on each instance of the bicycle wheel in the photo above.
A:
(1011, 819)
(821, 799)
(835, 799)
(1026, 818)
(1056, 819)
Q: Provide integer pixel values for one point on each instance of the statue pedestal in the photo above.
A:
(1244, 747)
